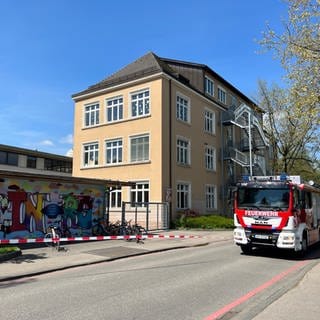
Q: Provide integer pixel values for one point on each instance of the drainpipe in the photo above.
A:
(170, 150)
(107, 204)
(250, 144)
(223, 184)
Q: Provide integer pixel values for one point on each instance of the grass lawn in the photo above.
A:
(205, 222)
(5, 250)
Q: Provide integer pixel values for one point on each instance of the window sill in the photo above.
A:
(140, 162)
(115, 165)
(187, 123)
(211, 170)
(121, 164)
(117, 122)
(89, 167)
(213, 134)
(184, 165)
(139, 117)
(92, 127)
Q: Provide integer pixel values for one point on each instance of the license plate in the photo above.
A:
(261, 236)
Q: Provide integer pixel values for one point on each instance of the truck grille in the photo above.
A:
(262, 237)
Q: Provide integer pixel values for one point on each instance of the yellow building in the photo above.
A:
(170, 126)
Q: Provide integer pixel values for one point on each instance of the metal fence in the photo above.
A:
(150, 215)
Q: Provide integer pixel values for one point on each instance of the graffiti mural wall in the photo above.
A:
(29, 207)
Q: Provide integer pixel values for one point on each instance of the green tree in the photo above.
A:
(298, 49)
(293, 114)
(292, 136)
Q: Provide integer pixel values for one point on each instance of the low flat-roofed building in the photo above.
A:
(33, 161)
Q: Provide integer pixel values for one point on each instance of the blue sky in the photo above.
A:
(51, 49)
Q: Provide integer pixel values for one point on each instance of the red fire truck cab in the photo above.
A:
(276, 211)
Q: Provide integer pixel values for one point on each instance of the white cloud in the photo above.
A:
(67, 139)
(69, 153)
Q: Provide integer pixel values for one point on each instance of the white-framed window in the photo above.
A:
(183, 151)
(139, 148)
(114, 151)
(140, 103)
(183, 108)
(140, 193)
(115, 198)
(209, 121)
(91, 114)
(222, 95)
(210, 158)
(209, 86)
(90, 154)
(211, 197)
(114, 109)
(183, 195)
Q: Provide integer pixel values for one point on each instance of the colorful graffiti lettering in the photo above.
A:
(26, 214)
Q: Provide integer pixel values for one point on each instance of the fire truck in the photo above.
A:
(276, 211)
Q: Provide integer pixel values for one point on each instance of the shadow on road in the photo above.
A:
(312, 254)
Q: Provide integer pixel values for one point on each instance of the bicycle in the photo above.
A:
(103, 228)
(139, 231)
(100, 227)
(53, 238)
(115, 229)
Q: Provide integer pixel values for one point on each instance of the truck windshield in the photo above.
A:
(263, 198)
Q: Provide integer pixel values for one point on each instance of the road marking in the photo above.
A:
(217, 314)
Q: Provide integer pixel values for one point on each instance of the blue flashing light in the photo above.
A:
(283, 177)
(246, 178)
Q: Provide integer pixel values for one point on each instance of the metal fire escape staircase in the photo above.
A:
(253, 140)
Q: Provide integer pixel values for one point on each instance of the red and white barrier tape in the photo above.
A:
(99, 238)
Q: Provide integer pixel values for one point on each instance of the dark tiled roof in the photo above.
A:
(146, 65)
(150, 64)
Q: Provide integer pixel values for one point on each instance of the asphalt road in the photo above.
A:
(193, 283)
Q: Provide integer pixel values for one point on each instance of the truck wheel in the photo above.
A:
(246, 249)
(304, 247)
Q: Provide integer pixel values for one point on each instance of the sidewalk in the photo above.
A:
(299, 303)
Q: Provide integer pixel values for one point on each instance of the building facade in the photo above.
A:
(32, 161)
(175, 128)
